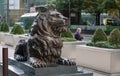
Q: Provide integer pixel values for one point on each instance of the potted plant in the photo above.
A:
(102, 53)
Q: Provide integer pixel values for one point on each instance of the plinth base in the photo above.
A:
(24, 69)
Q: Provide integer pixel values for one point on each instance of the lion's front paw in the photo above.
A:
(63, 61)
(37, 62)
(20, 57)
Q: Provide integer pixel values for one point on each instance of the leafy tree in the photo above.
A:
(67, 6)
(51, 1)
(111, 7)
(94, 7)
(118, 5)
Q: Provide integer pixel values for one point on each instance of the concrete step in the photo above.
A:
(15, 71)
(12, 71)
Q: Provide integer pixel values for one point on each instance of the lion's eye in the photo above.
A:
(55, 15)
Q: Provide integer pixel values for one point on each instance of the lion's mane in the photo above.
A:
(45, 42)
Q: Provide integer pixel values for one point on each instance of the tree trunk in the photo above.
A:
(79, 20)
(79, 12)
(98, 18)
(119, 14)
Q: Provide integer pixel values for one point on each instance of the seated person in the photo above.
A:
(78, 35)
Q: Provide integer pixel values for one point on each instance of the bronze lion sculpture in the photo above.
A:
(44, 44)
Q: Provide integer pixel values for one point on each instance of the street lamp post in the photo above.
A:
(7, 12)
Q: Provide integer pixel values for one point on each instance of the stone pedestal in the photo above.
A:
(24, 69)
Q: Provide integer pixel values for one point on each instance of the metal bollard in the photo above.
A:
(5, 61)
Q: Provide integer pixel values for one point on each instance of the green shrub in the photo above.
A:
(90, 44)
(4, 27)
(67, 34)
(98, 44)
(114, 37)
(103, 44)
(112, 42)
(110, 28)
(99, 35)
(66, 39)
(17, 29)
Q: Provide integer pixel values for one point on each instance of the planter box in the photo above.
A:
(102, 59)
(2, 34)
(11, 39)
(19, 37)
(69, 49)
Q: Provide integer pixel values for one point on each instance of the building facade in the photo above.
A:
(2, 10)
(1, 7)
(8, 9)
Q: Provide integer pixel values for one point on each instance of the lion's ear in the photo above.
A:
(41, 9)
(51, 7)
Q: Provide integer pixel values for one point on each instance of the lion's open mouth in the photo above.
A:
(60, 29)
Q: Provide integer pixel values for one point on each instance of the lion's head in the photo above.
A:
(57, 22)
(51, 22)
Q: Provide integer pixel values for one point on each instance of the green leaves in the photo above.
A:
(100, 40)
(114, 37)
(4, 27)
(17, 29)
(67, 34)
(99, 35)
